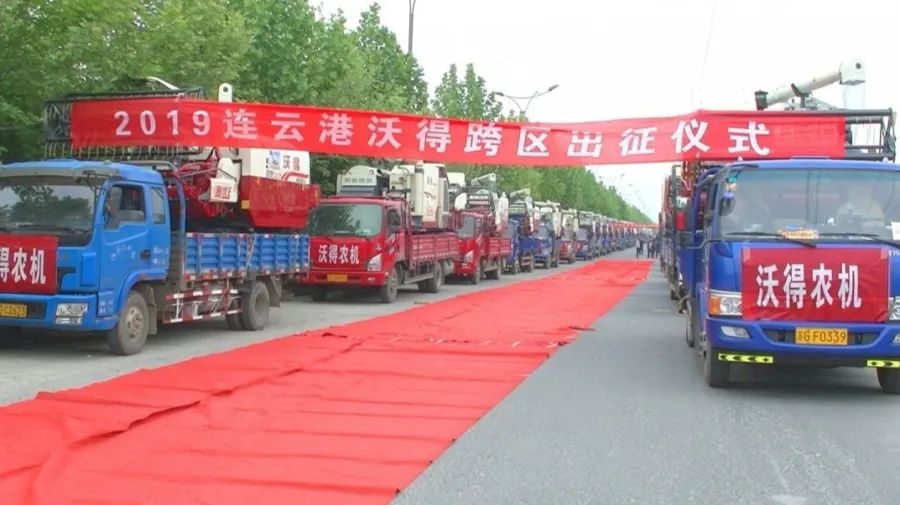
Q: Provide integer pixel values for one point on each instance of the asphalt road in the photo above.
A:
(622, 415)
(50, 363)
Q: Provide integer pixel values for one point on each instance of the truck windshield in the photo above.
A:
(582, 234)
(512, 229)
(347, 219)
(48, 205)
(543, 232)
(467, 227)
(815, 202)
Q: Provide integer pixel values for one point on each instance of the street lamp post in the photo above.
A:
(412, 10)
(515, 99)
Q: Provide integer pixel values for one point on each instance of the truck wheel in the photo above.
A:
(515, 268)
(690, 325)
(889, 380)
(318, 293)
(388, 292)
(255, 309)
(571, 259)
(234, 322)
(530, 266)
(494, 275)
(476, 275)
(434, 284)
(130, 333)
(715, 373)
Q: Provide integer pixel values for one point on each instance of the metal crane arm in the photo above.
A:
(848, 74)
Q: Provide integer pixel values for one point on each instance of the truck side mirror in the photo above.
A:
(685, 239)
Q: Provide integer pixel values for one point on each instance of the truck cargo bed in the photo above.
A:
(228, 255)
(431, 247)
(499, 246)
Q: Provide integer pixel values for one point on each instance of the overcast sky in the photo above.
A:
(635, 58)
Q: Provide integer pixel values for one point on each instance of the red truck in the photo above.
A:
(481, 250)
(383, 230)
(480, 218)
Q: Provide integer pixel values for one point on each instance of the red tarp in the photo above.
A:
(347, 415)
(708, 135)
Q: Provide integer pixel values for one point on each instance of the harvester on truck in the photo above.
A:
(383, 229)
(481, 228)
(524, 221)
(149, 235)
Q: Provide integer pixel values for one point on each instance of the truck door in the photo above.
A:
(126, 247)
(397, 241)
(161, 230)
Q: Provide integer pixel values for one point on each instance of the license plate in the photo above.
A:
(821, 336)
(13, 310)
(336, 278)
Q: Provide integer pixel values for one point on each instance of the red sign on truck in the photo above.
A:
(820, 284)
(28, 264)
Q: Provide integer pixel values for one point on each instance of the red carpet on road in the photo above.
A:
(347, 415)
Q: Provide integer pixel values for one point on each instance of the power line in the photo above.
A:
(712, 22)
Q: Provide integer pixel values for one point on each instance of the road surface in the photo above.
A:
(54, 363)
(622, 415)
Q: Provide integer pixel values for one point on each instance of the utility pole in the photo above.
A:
(412, 9)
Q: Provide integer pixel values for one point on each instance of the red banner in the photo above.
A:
(28, 264)
(705, 135)
(821, 284)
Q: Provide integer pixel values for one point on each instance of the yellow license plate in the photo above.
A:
(821, 336)
(13, 310)
(336, 278)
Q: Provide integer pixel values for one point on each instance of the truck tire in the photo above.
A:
(889, 380)
(388, 292)
(130, 334)
(255, 309)
(571, 259)
(476, 275)
(318, 293)
(515, 268)
(690, 326)
(433, 285)
(234, 322)
(530, 267)
(716, 373)
(494, 275)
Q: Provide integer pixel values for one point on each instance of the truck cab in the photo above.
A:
(548, 254)
(794, 262)
(76, 237)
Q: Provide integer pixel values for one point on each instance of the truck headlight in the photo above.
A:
(469, 257)
(70, 313)
(895, 308)
(724, 303)
(374, 264)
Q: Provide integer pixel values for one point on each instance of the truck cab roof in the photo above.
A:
(372, 200)
(75, 167)
(817, 163)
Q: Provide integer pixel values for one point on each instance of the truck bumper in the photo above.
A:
(41, 313)
(464, 268)
(346, 278)
(867, 344)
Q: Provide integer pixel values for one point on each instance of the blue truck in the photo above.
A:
(124, 262)
(524, 246)
(795, 262)
(548, 254)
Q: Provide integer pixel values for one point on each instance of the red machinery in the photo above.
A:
(240, 189)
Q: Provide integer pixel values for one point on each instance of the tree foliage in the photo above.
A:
(283, 51)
